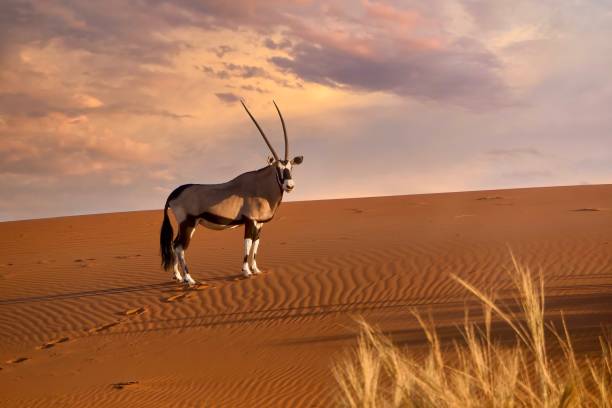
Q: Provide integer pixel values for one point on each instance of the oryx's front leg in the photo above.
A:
(254, 247)
(251, 235)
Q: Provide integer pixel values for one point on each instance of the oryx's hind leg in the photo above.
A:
(181, 243)
(251, 242)
(177, 272)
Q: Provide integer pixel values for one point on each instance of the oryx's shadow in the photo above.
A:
(228, 278)
(89, 293)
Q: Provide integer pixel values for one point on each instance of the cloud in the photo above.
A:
(29, 105)
(441, 75)
(283, 44)
(245, 71)
(373, 54)
(69, 150)
(254, 89)
(227, 97)
(221, 50)
(232, 70)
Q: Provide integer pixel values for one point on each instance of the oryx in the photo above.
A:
(251, 199)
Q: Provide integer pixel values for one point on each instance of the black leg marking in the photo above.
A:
(250, 230)
(183, 238)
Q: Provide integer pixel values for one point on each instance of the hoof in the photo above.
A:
(188, 280)
(256, 271)
(246, 274)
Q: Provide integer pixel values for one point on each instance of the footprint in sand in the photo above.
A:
(122, 385)
(18, 360)
(103, 327)
(489, 198)
(85, 262)
(127, 256)
(586, 209)
(174, 298)
(52, 343)
(186, 292)
(134, 312)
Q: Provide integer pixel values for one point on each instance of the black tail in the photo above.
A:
(165, 242)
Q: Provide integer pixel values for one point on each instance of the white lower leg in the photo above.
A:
(177, 272)
(181, 256)
(246, 271)
(177, 258)
(253, 257)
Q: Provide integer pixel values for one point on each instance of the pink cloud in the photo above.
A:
(385, 14)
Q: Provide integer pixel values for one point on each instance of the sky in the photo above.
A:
(107, 106)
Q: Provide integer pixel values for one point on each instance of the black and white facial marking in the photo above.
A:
(283, 170)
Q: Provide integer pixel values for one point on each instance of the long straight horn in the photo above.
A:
(284, 132)
(260, 131)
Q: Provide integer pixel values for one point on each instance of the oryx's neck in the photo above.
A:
(268, 186)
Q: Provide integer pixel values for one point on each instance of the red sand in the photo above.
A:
(88, 318)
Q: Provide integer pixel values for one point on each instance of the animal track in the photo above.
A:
(85, 262)
(134, 312)
(52, 343)
(127, 256)
(122, 385)
(184, 293)
(103, 327)
(18, 360)
(174, 298)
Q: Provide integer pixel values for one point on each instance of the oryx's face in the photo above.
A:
(284, 172)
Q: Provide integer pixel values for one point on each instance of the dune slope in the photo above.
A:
(88, 318)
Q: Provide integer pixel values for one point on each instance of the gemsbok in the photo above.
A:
(251, 199)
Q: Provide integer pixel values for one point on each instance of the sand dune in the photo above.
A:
(88, 318)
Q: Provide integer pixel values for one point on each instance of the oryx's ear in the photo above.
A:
(297, 160)
(270, 160)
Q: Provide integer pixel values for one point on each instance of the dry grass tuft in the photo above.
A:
(479, 371)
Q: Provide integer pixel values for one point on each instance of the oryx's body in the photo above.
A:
(251, 199)
(254, 195)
